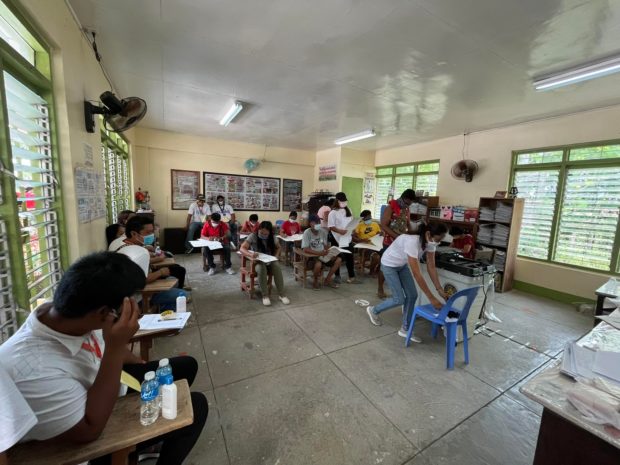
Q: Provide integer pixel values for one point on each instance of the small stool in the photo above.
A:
(248, 270)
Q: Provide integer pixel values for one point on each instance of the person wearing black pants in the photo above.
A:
(176, 444)
(347, 257)
(178, 272)
(338, 220)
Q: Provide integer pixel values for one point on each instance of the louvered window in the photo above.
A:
(572, 205)
(35, 185)
(393, 180)
(31, 258)
(114, 152)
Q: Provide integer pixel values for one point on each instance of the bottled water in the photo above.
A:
(169, 399)
(149, 408)
(163, 373)
(181, 304)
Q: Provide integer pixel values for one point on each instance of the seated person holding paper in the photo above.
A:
(338, 220)
(66, 359)
(263, 242)
(139, 231)
(316, 243)
(366, 230)
(216, 230)
(290, 228)
(251, 225)
(114, 232)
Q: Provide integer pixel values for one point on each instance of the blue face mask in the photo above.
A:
(367, 221)
(149, 239)
(317, 227)
(263, 236)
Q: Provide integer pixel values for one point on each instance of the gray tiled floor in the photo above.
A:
(315, 383)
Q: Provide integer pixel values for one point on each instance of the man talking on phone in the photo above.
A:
(66, 359)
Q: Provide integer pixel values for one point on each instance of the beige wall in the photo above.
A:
(328, 157)
(157, 152)
(76, 77)
(492, 150)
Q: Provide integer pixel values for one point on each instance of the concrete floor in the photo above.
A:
(315, 383)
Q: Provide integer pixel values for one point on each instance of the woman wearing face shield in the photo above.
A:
(400, 266)
(338, 221)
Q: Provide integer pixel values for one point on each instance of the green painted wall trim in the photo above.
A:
(550, 293)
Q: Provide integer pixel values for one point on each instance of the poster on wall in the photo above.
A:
(291, 194)
(245, 193)
(327, 172)
(369, 188)
(90, 194)
(185, 187)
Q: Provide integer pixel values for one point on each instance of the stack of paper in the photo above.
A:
(487, 214)
(500, 260)
(345, 239)
(213, 245)
(494, 234)
(503, 213)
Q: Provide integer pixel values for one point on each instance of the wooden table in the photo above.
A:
(565, 438)
(145, 339)
(168, 261)
(119, 438)
(605, 291)
(161, 285)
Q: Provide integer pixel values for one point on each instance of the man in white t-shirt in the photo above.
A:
(16, 417)
(140, 232)
(66, 359)
(228, 216)
(196, 216)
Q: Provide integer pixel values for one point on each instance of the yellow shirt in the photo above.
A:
(366, 231)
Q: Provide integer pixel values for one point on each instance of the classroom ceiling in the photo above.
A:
(312, 71)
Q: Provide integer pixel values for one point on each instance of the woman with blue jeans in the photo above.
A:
(400, 266)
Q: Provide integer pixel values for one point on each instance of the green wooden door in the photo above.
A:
(353, 187)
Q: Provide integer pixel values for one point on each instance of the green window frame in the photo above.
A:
(116, 172)
(572, 205)
(392, 180)
(33, 249)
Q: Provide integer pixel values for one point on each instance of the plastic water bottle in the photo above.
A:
(149, 409)
(158, 251)
(169, 398)
(164, 371)
(181, 304)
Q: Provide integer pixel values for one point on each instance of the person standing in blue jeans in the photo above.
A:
(400, 265)
(196, 217)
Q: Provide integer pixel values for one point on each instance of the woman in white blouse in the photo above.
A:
(399, 262)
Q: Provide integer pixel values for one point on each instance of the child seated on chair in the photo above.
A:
(263, 242)
(463, 241)
(316, 243)
(216, 230)
(251, 225)
(366, 230)
(290, 228)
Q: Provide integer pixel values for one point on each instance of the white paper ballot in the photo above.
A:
(376, 244)
(345, 239)
(154, 321)
(293, 238)
(213, 245)
(263, 257)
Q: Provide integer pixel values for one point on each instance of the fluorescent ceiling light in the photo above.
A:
(231, 113)
(583, 73)
(358, 136)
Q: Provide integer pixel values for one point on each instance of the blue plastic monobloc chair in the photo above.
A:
(440, 318)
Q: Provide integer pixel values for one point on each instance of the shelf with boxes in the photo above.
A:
(460, 216)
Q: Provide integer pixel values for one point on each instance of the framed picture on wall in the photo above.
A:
(184, 187)
(243, 192)
(291, 194)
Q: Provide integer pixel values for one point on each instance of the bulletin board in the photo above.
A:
(185, 187)
(90, 194)
(244, 193)
(291, 194)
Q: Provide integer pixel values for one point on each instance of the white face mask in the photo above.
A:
(431, 246)
(215, 224)
(293, 220)
(342, 204)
